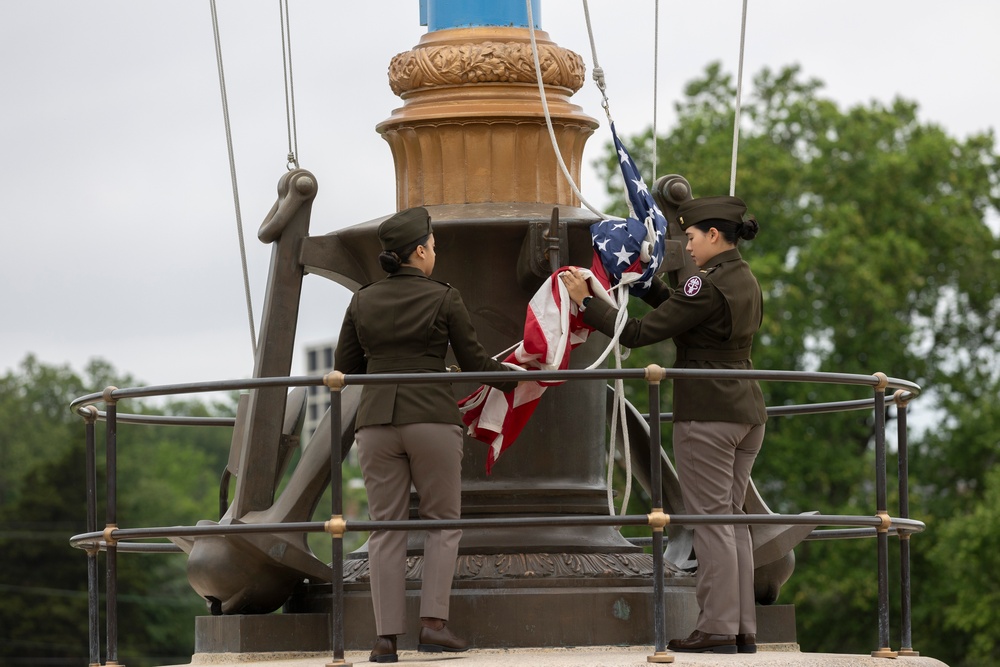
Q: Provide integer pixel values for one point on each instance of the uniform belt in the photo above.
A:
(406, 365)
(707, 354)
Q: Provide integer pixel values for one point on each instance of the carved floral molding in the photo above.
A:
(484, 62)
(526, 566)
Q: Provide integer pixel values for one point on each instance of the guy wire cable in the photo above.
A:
(739, 93)
(232, 172)
(286, 62)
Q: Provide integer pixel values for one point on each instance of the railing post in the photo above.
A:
(111, 523)
(336, 526)
(906, 638)
(881, 501)
(657, 518)
(93, 580)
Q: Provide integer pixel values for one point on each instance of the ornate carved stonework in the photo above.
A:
(526, 566)
(485, 62)
(472, 128)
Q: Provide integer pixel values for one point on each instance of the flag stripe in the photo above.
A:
(626, 252)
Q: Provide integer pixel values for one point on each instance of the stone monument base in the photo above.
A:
(509, 616)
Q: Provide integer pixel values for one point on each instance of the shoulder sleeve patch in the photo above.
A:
(692, 286)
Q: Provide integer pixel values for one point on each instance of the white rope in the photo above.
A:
(598, 73)
(548, 118)
(286, 62)
(656, 62)
(232, 172)
(619, 294)
(739, 93)
(621, 291)
(621, 297)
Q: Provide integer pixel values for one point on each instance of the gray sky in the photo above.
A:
(120, 234)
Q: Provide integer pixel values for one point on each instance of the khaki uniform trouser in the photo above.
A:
(714, 460)
(430, 457)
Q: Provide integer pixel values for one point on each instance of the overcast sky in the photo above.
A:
(120, 237)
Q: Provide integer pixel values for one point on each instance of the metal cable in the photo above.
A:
(739, 93)
(598, 70)
(286, 62)
(232, 172)
(656, 62)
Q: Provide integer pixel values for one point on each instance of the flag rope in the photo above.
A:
(548, 118)
(619, 407)
(598, 70)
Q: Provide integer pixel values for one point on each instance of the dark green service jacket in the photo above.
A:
(712, 318)
(403, 324)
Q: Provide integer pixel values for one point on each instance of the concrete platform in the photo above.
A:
(778, 655)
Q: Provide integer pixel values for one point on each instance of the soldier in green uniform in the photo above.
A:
(718, 423)
(410, 433)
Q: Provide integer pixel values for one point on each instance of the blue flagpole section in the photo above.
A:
(444, 14)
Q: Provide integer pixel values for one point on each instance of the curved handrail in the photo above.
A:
(911, 389)
(113, 538)
(92, 540)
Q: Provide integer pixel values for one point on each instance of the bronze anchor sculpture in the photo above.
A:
(474, 155)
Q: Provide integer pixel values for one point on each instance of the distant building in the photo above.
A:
(319, 361)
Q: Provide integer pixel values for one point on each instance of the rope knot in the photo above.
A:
(599, 78)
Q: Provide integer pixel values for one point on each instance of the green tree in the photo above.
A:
(968, 554)
(34, 421)
(168, 475)
(874, 255)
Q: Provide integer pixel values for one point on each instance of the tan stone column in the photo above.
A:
(472, 128)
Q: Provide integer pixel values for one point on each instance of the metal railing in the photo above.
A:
(113, 539)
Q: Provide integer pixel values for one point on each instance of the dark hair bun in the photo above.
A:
(749, 229)
(389, 261)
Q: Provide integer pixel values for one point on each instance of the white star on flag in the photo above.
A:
(624, 256)
(639, 241)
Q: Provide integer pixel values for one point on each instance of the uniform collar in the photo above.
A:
(724, 256)
(408, 271)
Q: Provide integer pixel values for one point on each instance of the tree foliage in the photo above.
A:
(168, 475)
(875, 254)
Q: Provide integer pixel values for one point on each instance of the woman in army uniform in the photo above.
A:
(718, 423)
(410, 433)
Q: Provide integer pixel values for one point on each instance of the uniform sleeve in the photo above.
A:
(469, 352)
(349, 357)
(658, 292)
(677, 313)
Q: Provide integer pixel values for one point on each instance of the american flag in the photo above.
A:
(630, 251)
(626, 252)
(553, 326)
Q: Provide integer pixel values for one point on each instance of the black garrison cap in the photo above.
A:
(405, 227)
(693, 211)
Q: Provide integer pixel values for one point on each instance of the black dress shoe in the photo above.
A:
(700, 642)
(436, 641)
(384, 650)
(746, 643)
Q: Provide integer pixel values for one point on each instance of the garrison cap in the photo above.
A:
(405, 227)
(693, 211)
